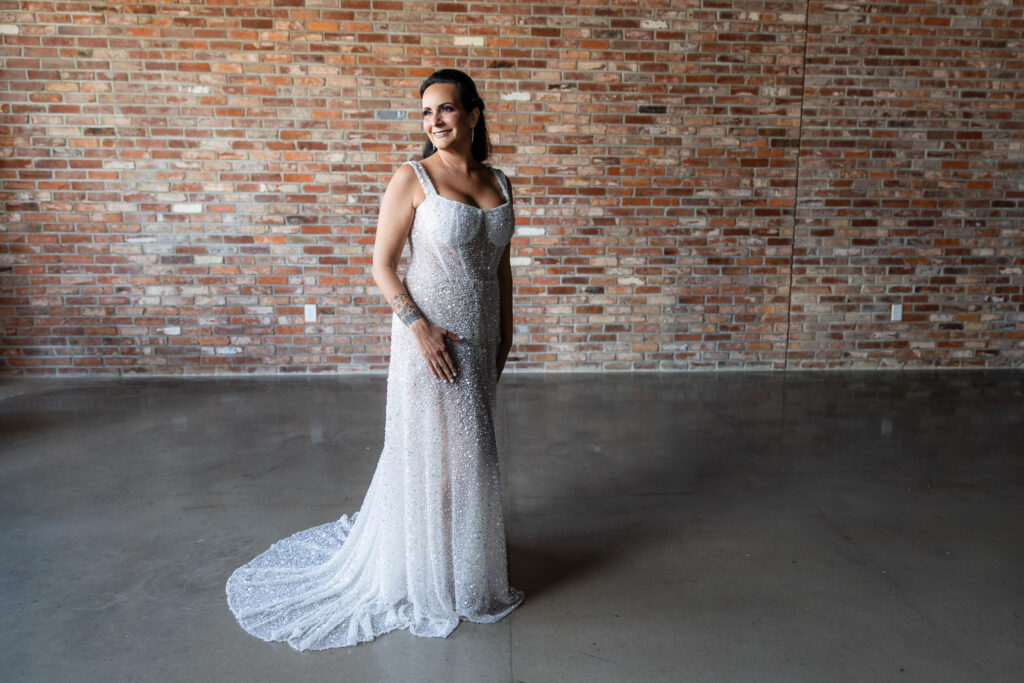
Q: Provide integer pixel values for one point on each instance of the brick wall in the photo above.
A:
(699, 184)
(911, 186)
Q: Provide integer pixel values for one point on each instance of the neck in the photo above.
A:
(456, 160)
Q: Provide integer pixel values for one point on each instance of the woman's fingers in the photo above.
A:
(437, 370)
(444, 362)
(435, 352)
(444, 365)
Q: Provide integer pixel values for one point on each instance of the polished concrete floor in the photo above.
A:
(686, 527)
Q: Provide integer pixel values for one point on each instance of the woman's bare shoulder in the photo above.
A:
(405, 173)
(403, 181)
(405, 186)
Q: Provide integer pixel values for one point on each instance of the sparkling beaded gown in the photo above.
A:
(427, 546)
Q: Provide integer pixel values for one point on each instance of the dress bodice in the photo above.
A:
(453, 260)
(452, 239)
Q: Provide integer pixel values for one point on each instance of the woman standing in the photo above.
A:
(427, 546)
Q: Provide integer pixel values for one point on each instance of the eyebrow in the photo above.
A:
(442, 104)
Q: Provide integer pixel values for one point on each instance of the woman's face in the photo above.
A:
(445, 122)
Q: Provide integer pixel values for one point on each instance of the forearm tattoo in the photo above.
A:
(405, 309)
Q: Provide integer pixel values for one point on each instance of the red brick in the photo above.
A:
(737, 202)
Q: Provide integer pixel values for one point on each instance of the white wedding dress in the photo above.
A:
(427, 546)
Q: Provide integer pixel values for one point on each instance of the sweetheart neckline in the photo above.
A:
(470, 206)
(435, 193)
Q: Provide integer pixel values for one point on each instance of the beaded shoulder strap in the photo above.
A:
(502, 181)
(421, 174)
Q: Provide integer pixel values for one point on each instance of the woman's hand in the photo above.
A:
(503, 351)
(431, 340)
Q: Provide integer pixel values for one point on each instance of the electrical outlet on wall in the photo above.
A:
(897, 312)
(310, 313)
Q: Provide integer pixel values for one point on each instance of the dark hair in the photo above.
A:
(468, 98)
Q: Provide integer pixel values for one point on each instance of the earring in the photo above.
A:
(472, 136)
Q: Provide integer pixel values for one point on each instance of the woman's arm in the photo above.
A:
(505, 297)
(393, 226)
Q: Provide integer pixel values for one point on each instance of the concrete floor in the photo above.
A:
(685, 527)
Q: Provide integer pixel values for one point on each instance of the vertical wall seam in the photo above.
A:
(796, 189)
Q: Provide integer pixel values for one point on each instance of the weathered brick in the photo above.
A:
(724, 185)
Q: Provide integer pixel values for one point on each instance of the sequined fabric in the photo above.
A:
(427, 546)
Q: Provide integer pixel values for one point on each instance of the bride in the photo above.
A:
(427, 547)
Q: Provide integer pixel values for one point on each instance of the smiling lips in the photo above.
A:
(441, 133)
